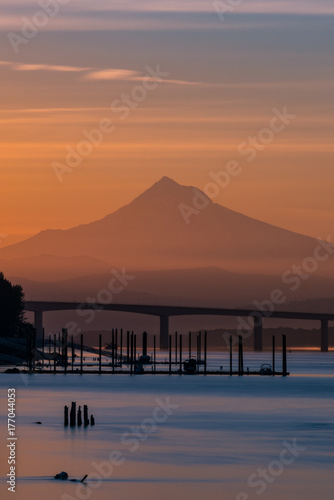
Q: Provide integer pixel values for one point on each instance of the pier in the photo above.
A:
(125, 356)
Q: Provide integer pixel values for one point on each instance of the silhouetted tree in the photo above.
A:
(12, 321)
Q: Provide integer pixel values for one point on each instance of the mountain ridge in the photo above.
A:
(150, 233)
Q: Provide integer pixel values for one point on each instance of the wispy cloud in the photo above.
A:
(132, 15)
(93, 73)
(128, 75)
(14, 66)
(174, 82)
(47, 67)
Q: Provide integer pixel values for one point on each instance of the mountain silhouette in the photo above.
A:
(150, 233)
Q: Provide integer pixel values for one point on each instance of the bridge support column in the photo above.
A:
(38, 321)
(324, 335)
(258, 330)
(164, 332)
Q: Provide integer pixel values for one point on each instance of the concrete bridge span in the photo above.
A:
(165, 312)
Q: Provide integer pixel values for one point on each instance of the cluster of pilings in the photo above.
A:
(76, 417)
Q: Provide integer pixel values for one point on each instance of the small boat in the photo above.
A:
(145, 360)
(190, 366)
(266, 369)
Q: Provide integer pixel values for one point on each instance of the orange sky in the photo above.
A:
(224, 80)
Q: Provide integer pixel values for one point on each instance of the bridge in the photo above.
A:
(165, 312)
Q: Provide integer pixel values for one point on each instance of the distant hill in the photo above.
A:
(208, 286)
(49, 267)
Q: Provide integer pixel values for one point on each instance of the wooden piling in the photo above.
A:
(100, 354)
(199, 347)
(135, 349)
(189, 344)
(170, 354)
(86, 419)
(116, 346)
(65, 416)
(73, 353)
(79, 417)
(81, 353)
(285, 371)
(33, 349)
(92, 420)
(62, 343)
(241, 359)
(176, 348)
(128, 345)
(205, 351)
(29, 351)
(121, 347)
(64, 334)
(131, 354)
(50, 352)
(144, 343)
(73, 414)
(242, 354)
(154, 353)
(113, 349)
(180, 354)
(54, 353)
(231, 356)
(324, 335)
(274, 355)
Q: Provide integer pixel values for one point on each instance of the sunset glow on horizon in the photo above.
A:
(86, 64)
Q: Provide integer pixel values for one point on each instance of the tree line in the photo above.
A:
(12, 320)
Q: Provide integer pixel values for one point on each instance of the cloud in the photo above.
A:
(128, 75)
(14, 66)
(46, 67)
(98, 75)
(112, 74)
(174, 82)
(132, 15)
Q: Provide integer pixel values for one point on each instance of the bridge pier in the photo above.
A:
(258, 331)
(164, 332)
(38, 322)
(324, 335)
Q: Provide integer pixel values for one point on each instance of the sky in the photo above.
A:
(224, 70)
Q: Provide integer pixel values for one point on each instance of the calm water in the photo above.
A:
(220, 435)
